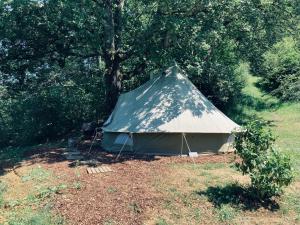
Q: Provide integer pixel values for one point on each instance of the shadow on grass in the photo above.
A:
(237, 196)
(242, 112)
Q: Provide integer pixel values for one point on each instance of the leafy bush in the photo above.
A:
(269, 170)
(281, 69)
(47, 111)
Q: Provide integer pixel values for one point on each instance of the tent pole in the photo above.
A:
(181, 145)
(187, 144)
(131, 146)
(94, 138)
(122, 147)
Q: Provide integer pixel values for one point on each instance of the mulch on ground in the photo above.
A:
(124, 196)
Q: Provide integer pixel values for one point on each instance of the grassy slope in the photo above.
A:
(285, 120)
(205, 194)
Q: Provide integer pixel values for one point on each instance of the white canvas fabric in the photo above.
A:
(123, 139)
(168, 103)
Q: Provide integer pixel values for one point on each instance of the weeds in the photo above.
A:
(29, 210)
(213, 166)
(77, 185)
(111, 190)
(291, 202)
(197, 214)
(33, 217)
(37, 174)
(49, 191)
(13, 203)
(109, 222)
(226, 213)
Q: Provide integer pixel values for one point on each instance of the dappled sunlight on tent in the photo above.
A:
(169, 104)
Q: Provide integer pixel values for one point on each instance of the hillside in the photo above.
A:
(284, 118)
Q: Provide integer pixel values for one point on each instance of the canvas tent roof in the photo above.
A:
(168, 103)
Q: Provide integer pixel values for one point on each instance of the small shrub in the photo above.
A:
(269, 170)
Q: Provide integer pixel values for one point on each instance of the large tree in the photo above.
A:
(107, 46)
(129, 36)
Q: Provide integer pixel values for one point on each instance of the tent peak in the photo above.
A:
(173, 70)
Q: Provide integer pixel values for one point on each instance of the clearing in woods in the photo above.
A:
(43, 188)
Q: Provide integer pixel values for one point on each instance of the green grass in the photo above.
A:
(199, 167)
(212, 192)
(226, 213)
(35, 217)
(196, 214)
(34, 207)
(111, 189)
(285, 124)
(291, 202)
(3, 188)
(110, 222)
(161, 221)
(17, 154)
(284, 118)
(37, 174)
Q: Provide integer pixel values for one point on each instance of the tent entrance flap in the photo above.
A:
(123, 139)
(113, 142)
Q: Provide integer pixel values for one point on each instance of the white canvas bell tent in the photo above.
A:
(167, 115)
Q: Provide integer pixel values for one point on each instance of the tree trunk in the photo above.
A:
(113, 76)
(113, 85)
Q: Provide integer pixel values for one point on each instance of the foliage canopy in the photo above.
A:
(281, 70)
(63, 62)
